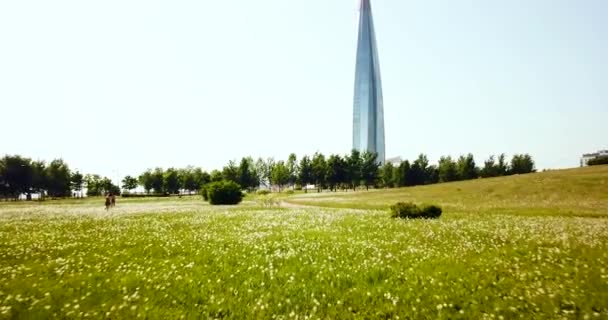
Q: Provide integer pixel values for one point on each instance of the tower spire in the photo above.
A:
(364, 5)
(368, 108)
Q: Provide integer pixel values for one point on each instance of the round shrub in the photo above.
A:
(408, 210)
(224, 192)
(404, 210)
(431, 211)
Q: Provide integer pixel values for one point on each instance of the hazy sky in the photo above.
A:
(116, 87)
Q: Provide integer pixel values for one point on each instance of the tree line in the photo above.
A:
(20, 175)
(333, 172)
(420, 172)
(24, 176)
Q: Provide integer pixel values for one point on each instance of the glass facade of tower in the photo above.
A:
(368, 110)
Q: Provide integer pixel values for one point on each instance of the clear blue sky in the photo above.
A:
(115, 87)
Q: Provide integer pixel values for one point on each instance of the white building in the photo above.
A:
(396, 161)
(590, 156)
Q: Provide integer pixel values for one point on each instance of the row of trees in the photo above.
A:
(20, 175)
(420, 172)
(252, 174)
(170, 181)
(324, 172)
(332, 172)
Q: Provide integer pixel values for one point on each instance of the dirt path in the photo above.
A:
(285, 204)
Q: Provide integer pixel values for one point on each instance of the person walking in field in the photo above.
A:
(108, 202)
(113, 199)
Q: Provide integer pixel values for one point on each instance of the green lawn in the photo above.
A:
(529, 246)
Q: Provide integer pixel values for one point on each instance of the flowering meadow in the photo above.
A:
(180, 258)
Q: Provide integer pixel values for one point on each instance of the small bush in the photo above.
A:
(289, 192)
(263, 192)
(224, 192)
(404, 210)
(408, 210)
(431, 211)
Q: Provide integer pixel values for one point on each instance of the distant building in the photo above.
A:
(590, 156)
(396, 161)
(368, 108)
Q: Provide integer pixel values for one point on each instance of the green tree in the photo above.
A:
(336, 171)
(186, 179)
(305, 173)
(402, 174)
(418, 173)
(93, 184)
(108, 187)
(260, 169)
(158, 180)
(39, 178)
(466, 167)
(292, 167)
(146, 180)
(387, 175)
(280, 175)
(200, 178)
(231, 172)
(447, 169)
(319, 171)
(247, 175)
(77, 181)
(17, 176)
(522, 164)
(354, 169)
(490, 168)
(432, 174)
(216, 176)
(129, 183)
(268, 167)
(171, 182)
(369, 168)
(59, 179)
(502, 168)
(3, 182)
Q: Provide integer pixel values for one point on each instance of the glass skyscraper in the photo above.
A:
(368, 110)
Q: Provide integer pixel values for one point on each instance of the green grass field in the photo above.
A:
(531, 246)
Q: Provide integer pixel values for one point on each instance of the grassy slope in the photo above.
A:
(579, 192)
